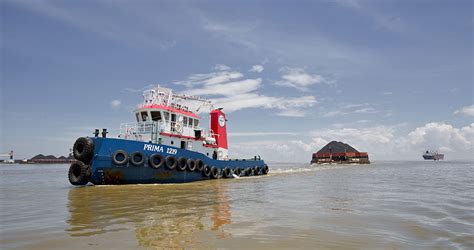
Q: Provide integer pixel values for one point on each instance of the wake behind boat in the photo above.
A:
(164, 145)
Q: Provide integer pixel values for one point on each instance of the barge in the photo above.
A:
(339, 152)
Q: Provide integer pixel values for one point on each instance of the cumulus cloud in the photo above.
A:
(256, 68)
(299, 79)
(441, 136)
(115, 104)
(467, 110)
(229, 89)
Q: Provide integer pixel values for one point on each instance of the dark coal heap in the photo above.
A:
(337, 147)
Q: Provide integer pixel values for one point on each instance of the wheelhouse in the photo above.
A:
(171, 119)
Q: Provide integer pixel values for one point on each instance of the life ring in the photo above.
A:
(171, 162)
(79, 173)
(214, 173)
(191, 165)
(83, 149)
(120, 157)
(182, 162)
(178, 128)
(206, 171)
(227, 173)
(199, 165)
(156, 161)
(137, 158)
(256, 170)
(237, 172)
(265, 169)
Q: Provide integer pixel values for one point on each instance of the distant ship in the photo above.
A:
(428, 155)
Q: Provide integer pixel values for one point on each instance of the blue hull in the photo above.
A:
(104, 171)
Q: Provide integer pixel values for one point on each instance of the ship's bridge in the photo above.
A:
(171, 119)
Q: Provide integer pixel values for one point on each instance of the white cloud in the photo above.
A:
(299, 79)
(210, 78)
(228, 89)
(113, 27)
(380, 19)
(256, 68)
(363, 108)
(226, 92)
(115, 104)
(221, 67)
(467, 110)
(439, 135)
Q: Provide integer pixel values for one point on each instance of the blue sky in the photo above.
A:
(392, 78)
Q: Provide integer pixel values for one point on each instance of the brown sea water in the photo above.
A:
(413, 205)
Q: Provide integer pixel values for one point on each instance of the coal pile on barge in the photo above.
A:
(339, 152)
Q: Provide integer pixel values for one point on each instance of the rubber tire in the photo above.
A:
(191, 164)
(153, 164)
(206, 171)
(171, 162)
(227, 173)
(182, 162)
(256, 170)
(237, 172)
(265, 170)
(139, 162)
(118, 162)
(248, 172)
(214, 173)
(199, 165)
(83, 149)
(79, 173)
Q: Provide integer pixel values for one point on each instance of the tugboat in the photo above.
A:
(428, 155)
(164, 145)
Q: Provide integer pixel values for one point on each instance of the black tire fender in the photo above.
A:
(214, 173)
(120, 157)
(237, 172)
(83, 149)
(256, 170)
(265, 169)
(227, 173)
(248, 172)
(206, 171)
(79, 173)
(191, 164)
(156, 161)
(182, 162)
(171, 162)
(137, 158)
(199, 165)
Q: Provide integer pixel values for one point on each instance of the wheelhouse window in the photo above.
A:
(190, 122)
(155, 115)
(167, 116)
(185, 121)
(196, 123)
(144, 116)
(138, 117)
